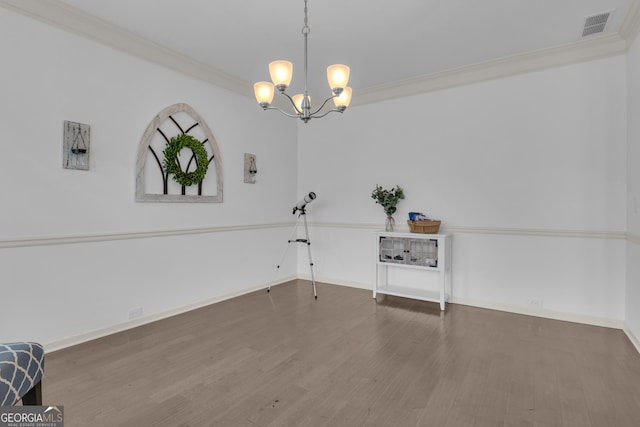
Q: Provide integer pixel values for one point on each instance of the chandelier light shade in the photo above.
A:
(338, 76)
(297, 102)
(264, 93)
(281, 73)
(343, 100)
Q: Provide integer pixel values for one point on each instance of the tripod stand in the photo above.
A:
(303, 215)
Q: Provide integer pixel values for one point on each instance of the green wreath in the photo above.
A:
(171, 166)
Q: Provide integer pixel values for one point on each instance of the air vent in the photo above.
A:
(595, 24)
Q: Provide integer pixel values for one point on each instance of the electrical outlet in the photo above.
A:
(135, 312)
(535, 302)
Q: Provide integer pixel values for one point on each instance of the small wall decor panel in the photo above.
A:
(75, 145)
(250, 169)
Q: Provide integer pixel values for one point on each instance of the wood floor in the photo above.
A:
(285, 359)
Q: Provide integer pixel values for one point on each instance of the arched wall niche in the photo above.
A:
(153, 182)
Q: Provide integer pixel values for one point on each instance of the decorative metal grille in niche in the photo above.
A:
(153, 182)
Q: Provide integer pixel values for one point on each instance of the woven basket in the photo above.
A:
(424, 227)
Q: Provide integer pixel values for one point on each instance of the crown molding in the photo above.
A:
(61, 15)
(567, 54)
(68, 18)
(631, 25)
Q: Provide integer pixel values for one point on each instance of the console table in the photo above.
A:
(428, 252)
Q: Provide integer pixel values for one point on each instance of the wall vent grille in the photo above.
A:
(596, 24)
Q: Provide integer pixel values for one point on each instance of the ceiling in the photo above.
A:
(394, 48)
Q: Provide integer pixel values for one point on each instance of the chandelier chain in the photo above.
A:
(305, 29)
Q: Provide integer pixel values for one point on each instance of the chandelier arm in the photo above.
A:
(292, 103)
(295, 116)
(335, 110)
(322, 106)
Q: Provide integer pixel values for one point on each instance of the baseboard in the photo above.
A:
(130, 324)
(540, 312)
(338, 282)
(548, 314)
(634, 340)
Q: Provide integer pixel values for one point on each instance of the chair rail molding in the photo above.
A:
(103, 237)
(587, 234)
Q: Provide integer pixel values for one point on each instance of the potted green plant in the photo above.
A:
(388, 199)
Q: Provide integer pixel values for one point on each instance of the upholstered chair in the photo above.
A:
(21, 370)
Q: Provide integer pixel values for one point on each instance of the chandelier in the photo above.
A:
(281, 73)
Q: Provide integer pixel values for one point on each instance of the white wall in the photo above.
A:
(529, 172)
(633, 194)
(58, 292)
